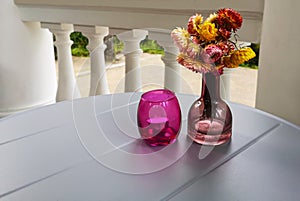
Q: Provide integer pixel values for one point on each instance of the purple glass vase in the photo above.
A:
(210, 118)
(159, 117)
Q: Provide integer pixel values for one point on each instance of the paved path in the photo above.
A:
(243, 80)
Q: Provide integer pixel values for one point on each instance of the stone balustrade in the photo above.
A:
(133, 21)
(67, 88)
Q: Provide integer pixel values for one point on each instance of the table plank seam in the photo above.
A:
(34, 182)
(47, 177)
(116, 108)
(217, 165)
(30, 135)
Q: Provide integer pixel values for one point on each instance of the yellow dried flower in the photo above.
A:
(198, 19)
(194, 24)
(228, 63)
(208, 32)
(211, 18)
(238, 57)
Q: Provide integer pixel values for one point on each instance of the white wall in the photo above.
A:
(27, 66)
(278, 89)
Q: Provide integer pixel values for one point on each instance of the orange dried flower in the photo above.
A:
(229, 19)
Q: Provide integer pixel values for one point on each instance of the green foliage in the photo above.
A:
(148, 46)
(246, 65)
(80, 52)
(118, 45)
(151, 47)
(79, 44)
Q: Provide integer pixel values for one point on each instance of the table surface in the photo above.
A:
(89, 149)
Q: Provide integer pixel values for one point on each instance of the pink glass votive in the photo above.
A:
(159, 117)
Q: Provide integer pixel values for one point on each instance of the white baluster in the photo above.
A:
(132, 54)
(96, 48)
(225, 83)
(172, 71)
(172, 68)
(67, 86)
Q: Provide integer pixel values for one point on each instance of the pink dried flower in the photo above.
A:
(193, 64)
(181, 38)
(211, 54)
(226, 47)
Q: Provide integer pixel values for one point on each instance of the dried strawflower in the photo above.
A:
(229, 19)
(208, 32)
(238, 57)
(194, 24)
(206, 46)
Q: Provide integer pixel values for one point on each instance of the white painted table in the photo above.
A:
(88, 150)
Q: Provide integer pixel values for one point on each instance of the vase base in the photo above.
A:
(206, 139)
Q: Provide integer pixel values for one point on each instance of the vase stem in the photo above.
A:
(210, 87)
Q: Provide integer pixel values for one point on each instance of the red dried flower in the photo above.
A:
(190, 26)
(224, 33)
(229, 19)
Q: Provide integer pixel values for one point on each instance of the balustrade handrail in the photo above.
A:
(138, 14)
